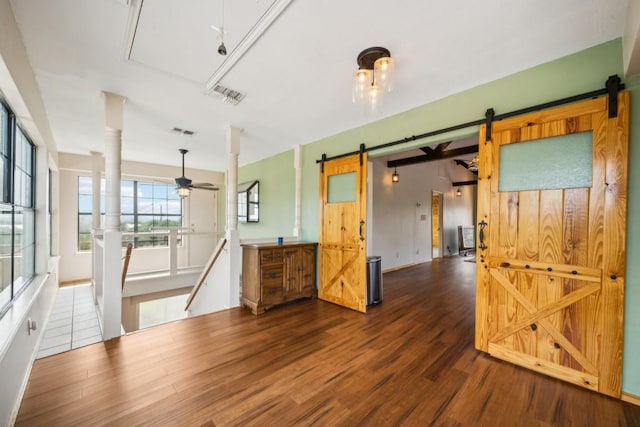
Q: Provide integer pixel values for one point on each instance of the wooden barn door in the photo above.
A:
(342, 246)
(552, 196)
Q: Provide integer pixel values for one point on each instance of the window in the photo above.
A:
(144, 206)
(17, 213)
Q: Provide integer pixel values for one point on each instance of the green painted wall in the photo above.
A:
(277, 196)
(581, 72)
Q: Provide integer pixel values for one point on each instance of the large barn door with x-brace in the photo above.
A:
(342, 247)
(552, 195)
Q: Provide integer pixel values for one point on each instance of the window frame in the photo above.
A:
(21, 213)
(136, 213)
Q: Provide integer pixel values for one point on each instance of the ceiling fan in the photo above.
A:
(184, 185)
(470, 165)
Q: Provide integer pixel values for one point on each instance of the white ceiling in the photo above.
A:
(296, 77)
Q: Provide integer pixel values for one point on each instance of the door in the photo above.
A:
(342, 247)
(436, 224)
(551, 242)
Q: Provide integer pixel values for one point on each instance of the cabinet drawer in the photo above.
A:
(270, 256)
(271, 276)
(272, 294)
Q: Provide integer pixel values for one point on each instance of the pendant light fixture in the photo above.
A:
(395, 177)
(222, 49)
(374, 77)
(459, 192)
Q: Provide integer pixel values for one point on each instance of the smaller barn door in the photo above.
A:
(436, 224)
(342, 246)
(552, 191)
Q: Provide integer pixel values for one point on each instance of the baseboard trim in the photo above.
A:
(74, 282)
(402, 267)
(631, 398)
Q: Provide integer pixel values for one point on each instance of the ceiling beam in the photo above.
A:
(439, 148)
(463, 183)
(461, 163)
(435, 155)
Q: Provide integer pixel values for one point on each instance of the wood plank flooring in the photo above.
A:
(409, 361)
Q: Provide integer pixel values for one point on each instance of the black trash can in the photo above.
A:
(374, 280)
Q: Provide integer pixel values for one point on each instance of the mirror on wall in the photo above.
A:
(249, 201)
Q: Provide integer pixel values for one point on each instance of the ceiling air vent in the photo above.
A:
(228, 96)
(182, 131)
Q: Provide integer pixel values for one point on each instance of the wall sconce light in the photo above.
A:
(395, 177)
(458, 193)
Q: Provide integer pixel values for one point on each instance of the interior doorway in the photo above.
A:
(436, 224)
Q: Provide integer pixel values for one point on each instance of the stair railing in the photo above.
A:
(212, 260)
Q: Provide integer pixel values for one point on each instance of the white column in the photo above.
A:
(112, 272)
(233, 234)
(233, 151)
(297, 164)
(96, 175)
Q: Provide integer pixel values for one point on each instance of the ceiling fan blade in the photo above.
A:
(197, 187)
(203, 184)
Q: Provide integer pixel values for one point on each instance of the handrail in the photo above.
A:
(205, 272)
(125, 267)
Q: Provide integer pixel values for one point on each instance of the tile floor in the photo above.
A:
(73, 322)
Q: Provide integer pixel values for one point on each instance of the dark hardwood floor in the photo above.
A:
(409, 361)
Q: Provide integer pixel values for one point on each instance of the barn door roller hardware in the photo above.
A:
(489, 117)
(613, 85)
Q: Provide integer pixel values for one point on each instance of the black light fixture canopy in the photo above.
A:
(369, 56)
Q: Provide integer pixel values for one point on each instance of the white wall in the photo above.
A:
(17, 346)
(200, 214)
(401, 217)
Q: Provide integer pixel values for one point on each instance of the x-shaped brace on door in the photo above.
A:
(539, 315)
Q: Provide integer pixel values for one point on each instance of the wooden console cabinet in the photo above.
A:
(274, 274)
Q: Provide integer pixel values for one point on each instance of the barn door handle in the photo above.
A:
(361, 225)
(482, 225)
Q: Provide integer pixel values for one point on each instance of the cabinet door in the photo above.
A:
(291, 272)
(307, 269)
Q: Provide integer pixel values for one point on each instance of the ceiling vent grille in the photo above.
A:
(229, 96)
(183, 131)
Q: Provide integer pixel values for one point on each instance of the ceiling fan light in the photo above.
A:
(183, 191)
